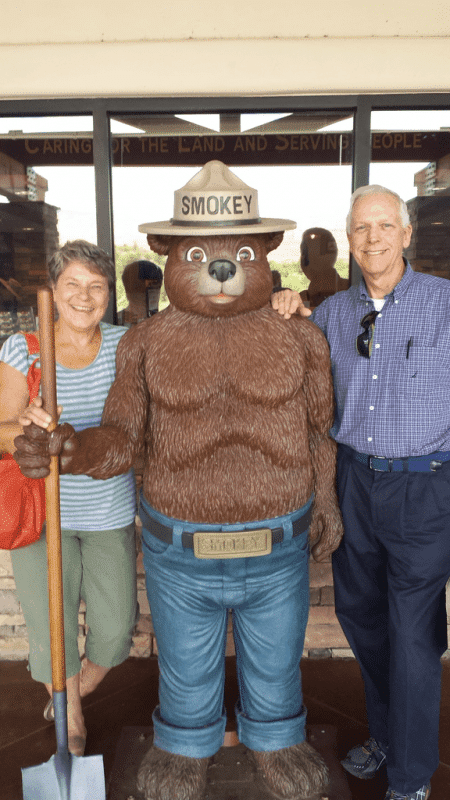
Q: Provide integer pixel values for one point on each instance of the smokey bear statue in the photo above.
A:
(233, 405)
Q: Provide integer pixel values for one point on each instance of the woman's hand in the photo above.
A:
(35, 413)
(288, 302)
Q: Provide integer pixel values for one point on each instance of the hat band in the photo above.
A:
(229, 223)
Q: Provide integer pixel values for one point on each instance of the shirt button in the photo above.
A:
(374, 377)
(369, 439)
(377, 346)
(395, 301)
(380, 314)
(371, 408)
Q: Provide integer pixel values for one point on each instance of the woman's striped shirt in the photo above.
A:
(86, 504)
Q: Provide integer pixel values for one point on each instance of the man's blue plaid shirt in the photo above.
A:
(392, 405)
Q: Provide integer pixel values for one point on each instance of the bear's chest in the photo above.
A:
(192, 360)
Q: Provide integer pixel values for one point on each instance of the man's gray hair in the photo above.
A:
(375, 188)
(95, 259)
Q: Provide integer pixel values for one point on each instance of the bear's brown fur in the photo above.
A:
(166, 776)
(225, 398)
(233, 405)
(292, 773)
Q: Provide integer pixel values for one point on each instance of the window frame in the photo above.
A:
(102, 109)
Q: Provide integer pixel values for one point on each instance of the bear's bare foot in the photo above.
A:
(293, 773)
(167, 776)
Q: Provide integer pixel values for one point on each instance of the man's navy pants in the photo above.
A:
(390, 572)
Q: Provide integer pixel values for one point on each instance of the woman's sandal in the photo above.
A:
(49, 711)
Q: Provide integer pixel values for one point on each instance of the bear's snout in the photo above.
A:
(221, 275)
(222, 270)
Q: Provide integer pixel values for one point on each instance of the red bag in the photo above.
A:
(22, 500)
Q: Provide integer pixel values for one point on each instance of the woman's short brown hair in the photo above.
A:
(95, 259)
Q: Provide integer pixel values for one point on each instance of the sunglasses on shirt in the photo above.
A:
(364, 340)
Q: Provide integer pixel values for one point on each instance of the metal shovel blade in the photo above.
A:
(84, 780)
(64, 776)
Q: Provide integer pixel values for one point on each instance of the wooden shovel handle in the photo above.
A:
(47, 351)
(53, 520)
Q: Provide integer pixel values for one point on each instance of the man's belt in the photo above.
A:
(428, 463)
(227, 544)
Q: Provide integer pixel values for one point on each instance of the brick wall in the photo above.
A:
(324, 637)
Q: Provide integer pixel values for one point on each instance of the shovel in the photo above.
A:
(64, 776)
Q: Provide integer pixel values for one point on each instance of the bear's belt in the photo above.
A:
(227, 544)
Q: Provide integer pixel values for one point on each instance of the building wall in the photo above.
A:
(324, 637)
(207, 47)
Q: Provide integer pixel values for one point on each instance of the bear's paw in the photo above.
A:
(293, 773)
(166, 776)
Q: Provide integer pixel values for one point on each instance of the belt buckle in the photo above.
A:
(232, 544)
(375, 469)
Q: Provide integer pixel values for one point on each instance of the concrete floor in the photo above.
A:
(333, 695)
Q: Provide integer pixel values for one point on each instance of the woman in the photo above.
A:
(97, 517)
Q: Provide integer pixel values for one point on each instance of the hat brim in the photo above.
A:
(169, 228)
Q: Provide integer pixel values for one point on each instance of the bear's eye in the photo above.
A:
(196, 254)
(246, 254)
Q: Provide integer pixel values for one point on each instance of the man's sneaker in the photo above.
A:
(421, 794)
(365, 760)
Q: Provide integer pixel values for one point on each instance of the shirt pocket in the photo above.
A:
(425, 374)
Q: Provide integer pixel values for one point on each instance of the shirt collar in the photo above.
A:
(398, 290)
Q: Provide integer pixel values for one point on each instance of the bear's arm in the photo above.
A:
(111, 448)
(326, 525)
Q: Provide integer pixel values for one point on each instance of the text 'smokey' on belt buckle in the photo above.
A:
(233, 544)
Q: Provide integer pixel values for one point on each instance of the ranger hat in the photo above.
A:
(214, 202)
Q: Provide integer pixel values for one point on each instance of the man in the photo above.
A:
(389, 340)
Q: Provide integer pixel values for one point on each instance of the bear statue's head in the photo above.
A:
(216, 245)
(217, 275)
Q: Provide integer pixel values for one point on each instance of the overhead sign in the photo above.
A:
(233, 149)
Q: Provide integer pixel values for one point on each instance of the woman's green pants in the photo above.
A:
(98, 567)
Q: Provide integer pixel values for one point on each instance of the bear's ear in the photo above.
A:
(159, 244)
(273, 240)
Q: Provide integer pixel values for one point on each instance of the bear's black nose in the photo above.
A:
(222, 270)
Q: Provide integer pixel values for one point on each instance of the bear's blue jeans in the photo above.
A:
(189, 600)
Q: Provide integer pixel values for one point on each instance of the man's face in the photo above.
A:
(377, 237)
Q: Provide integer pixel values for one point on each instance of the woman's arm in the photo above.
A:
(14, 399)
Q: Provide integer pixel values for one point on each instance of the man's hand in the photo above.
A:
(287, 302)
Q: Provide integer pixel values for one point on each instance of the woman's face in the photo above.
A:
(81, 296)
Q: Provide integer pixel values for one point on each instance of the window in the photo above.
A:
(47, 196)
(300, 163)
(411, 156)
